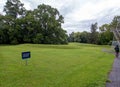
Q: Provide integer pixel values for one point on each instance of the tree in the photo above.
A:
(14, 8)
(81, 37)
(71, 37)
(1, 29)
(49, 24)
(4, 29)
(42, 25)
(105, 35)
(84, 37)
(94, 33)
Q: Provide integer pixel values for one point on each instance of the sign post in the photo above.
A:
(25, 56)
(26, 62)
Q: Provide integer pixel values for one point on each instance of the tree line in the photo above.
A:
(43, 25)
(103, 36)
(40, 26)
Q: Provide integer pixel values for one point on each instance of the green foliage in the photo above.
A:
(103, 37)
(14, 41)
(85, 37)
(94, 34)
(71, 37)
(14, 8)
(38, 39)
(42, 25)
(50, 21)
(115, 22)
(73, 65)
(82, 37)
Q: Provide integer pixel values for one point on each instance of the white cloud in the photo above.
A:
(101, 11)
(27, 4)
(2, 3)
(90, 10)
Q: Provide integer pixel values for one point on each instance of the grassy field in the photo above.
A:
(73, 65)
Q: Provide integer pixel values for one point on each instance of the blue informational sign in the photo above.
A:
(25, 55)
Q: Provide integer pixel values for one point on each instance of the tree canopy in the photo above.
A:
(102, 37)
(41, 25)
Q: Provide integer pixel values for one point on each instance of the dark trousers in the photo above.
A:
(117, 54)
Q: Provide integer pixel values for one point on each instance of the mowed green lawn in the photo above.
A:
(73, 65)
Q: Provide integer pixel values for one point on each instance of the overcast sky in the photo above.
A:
(78, 14)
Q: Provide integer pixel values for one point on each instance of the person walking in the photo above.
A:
(117, 51)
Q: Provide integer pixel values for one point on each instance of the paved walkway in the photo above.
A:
(114, 75)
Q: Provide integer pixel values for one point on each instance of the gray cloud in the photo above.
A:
(79, 14)
(104, 17)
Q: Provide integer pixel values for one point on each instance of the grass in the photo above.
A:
(73, 65)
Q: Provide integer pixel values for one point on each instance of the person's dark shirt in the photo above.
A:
(117, 48)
